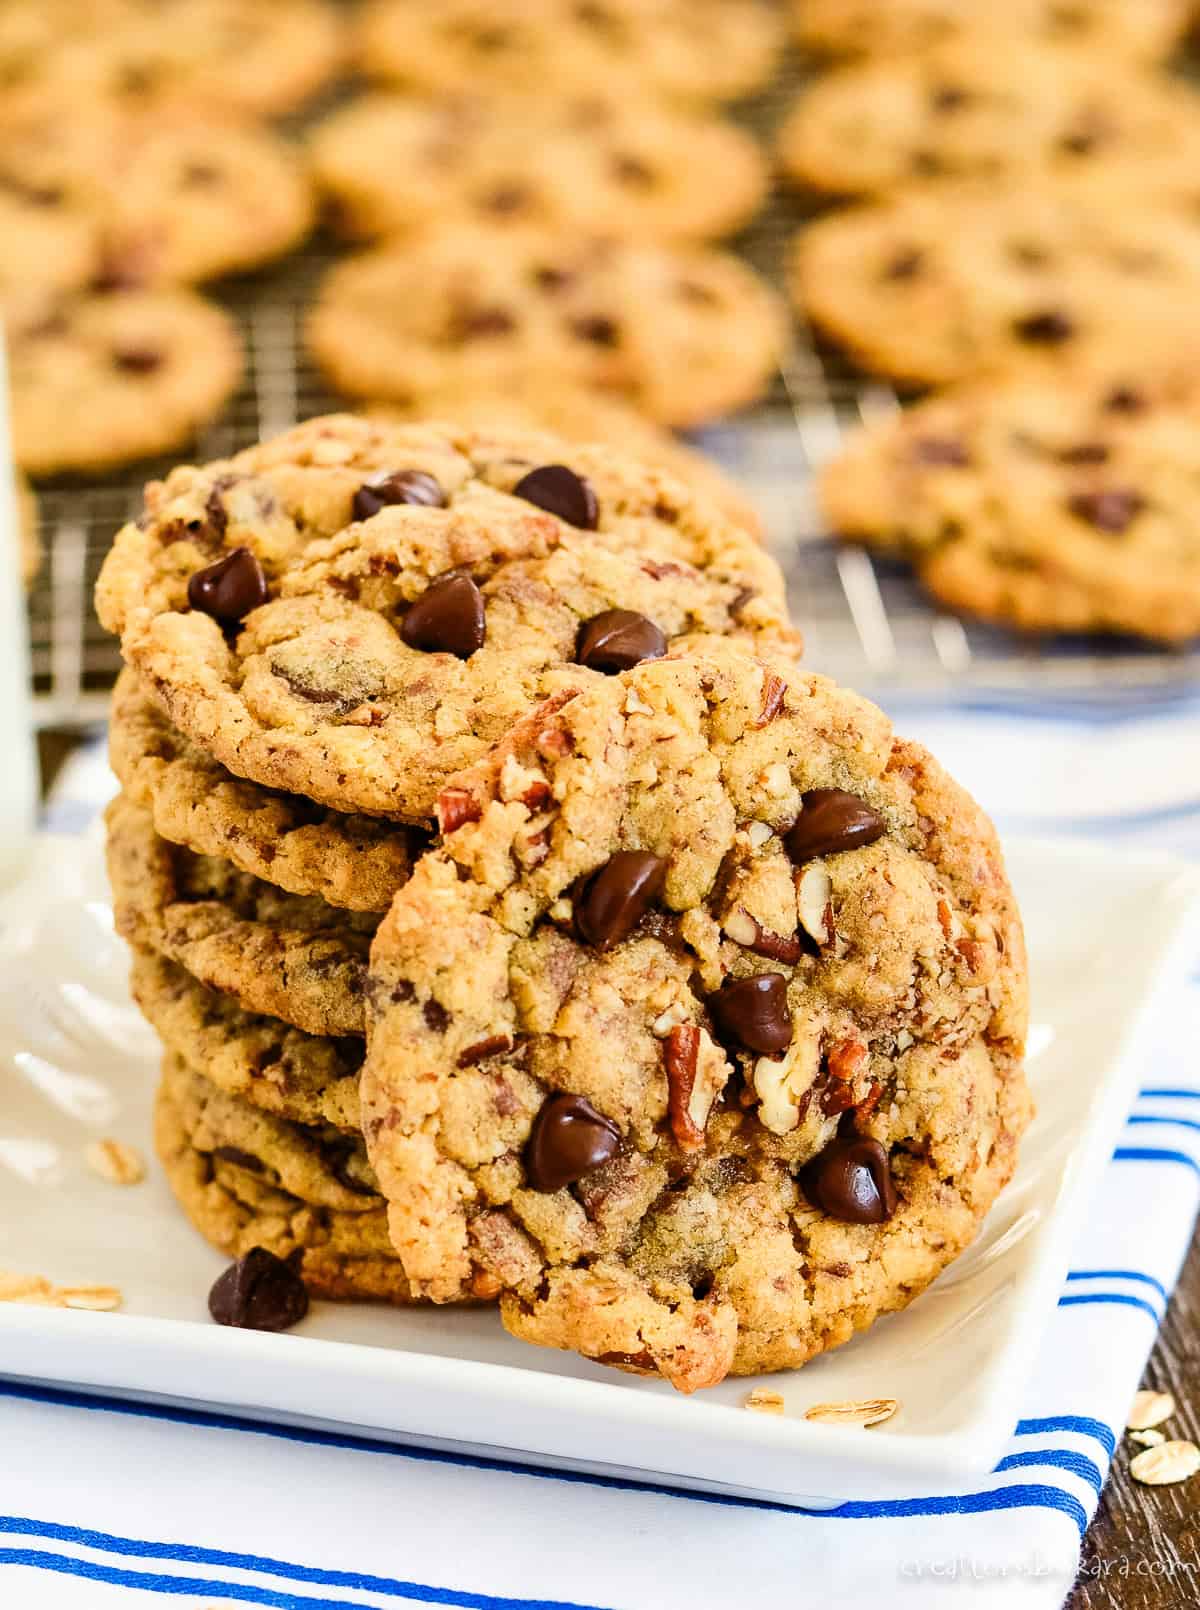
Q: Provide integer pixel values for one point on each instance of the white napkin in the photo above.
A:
(101, 1499)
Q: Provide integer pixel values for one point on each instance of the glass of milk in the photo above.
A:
(18, 755)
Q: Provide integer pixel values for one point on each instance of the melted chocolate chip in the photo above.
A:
(1124, 400)
(617, 897)
(201, 174)
(471, 322)
(137, 360)
(230, 589)
(601, 332)
(832, 820)
(258, 1292)
(1048, 329)
(905, 265)
(397, 487)
(948, 98)
(561, 492)
(941, 450)
(448, 618)
(753, 1012)
(506, 199)
(569, 1139)
(1111, 511)
(851, 1180)
(632, 170)
(617, 640)
(553, 279)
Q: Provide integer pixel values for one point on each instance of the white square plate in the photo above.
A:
(1107, 934)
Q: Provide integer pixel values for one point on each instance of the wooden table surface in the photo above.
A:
(1142, 1551)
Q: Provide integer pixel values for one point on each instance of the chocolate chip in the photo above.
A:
(618, 639)
(470, 322)
(200, 174)
(506, 199)
(553, 279)
(948, 97)
(632, 170)
(448, 618)
(754, 1012)
(1084, 453)
(851, 1180)
(832, 820)
(905, 265)
(397, 487)
(137, 360)
(601, 332)
(1048, 329)
(436, 1016)
(230, 589)
(616, 898)
(561, 492)
(258, 1292)
(569, 1139)
(940, 450)
(1124, 400)
(1110, 511)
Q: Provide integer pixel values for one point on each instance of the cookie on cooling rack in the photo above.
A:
(355, 610)
(99, 380)
(987, 109)
(940, 284)
(1042, 504)
(393, 165)
(684, 333)
(1145, 30)
(790, 937)
(691, 49)
(247, 1180)
(172, 198)
(256, 57)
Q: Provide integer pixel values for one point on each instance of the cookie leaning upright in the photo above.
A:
(701, 1033)
(354, 611)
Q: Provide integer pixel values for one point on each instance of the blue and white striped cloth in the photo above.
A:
(104, 1501)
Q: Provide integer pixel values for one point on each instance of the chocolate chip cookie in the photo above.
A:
(290, 956)
(354, 861)
(247, 1180)
(306, 1078)
(693, 49)
(102, 380)
(987, 109)
(686, 334)
(941, 284)
(172, 198)
(632, 170)
(354, 611)
(701, 1032)
(1042, 504)
(256, 57)
(1145, 30)
(537, 405)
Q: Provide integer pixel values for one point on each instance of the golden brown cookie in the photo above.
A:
(702, 1030)
(1047, 504)
(290, 956)
(685, 334)
(402, 594)
(247, 1181)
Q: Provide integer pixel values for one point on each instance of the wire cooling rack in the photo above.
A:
(865, 621)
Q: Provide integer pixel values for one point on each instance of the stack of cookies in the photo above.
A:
(521, 920)
(1024, 232)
